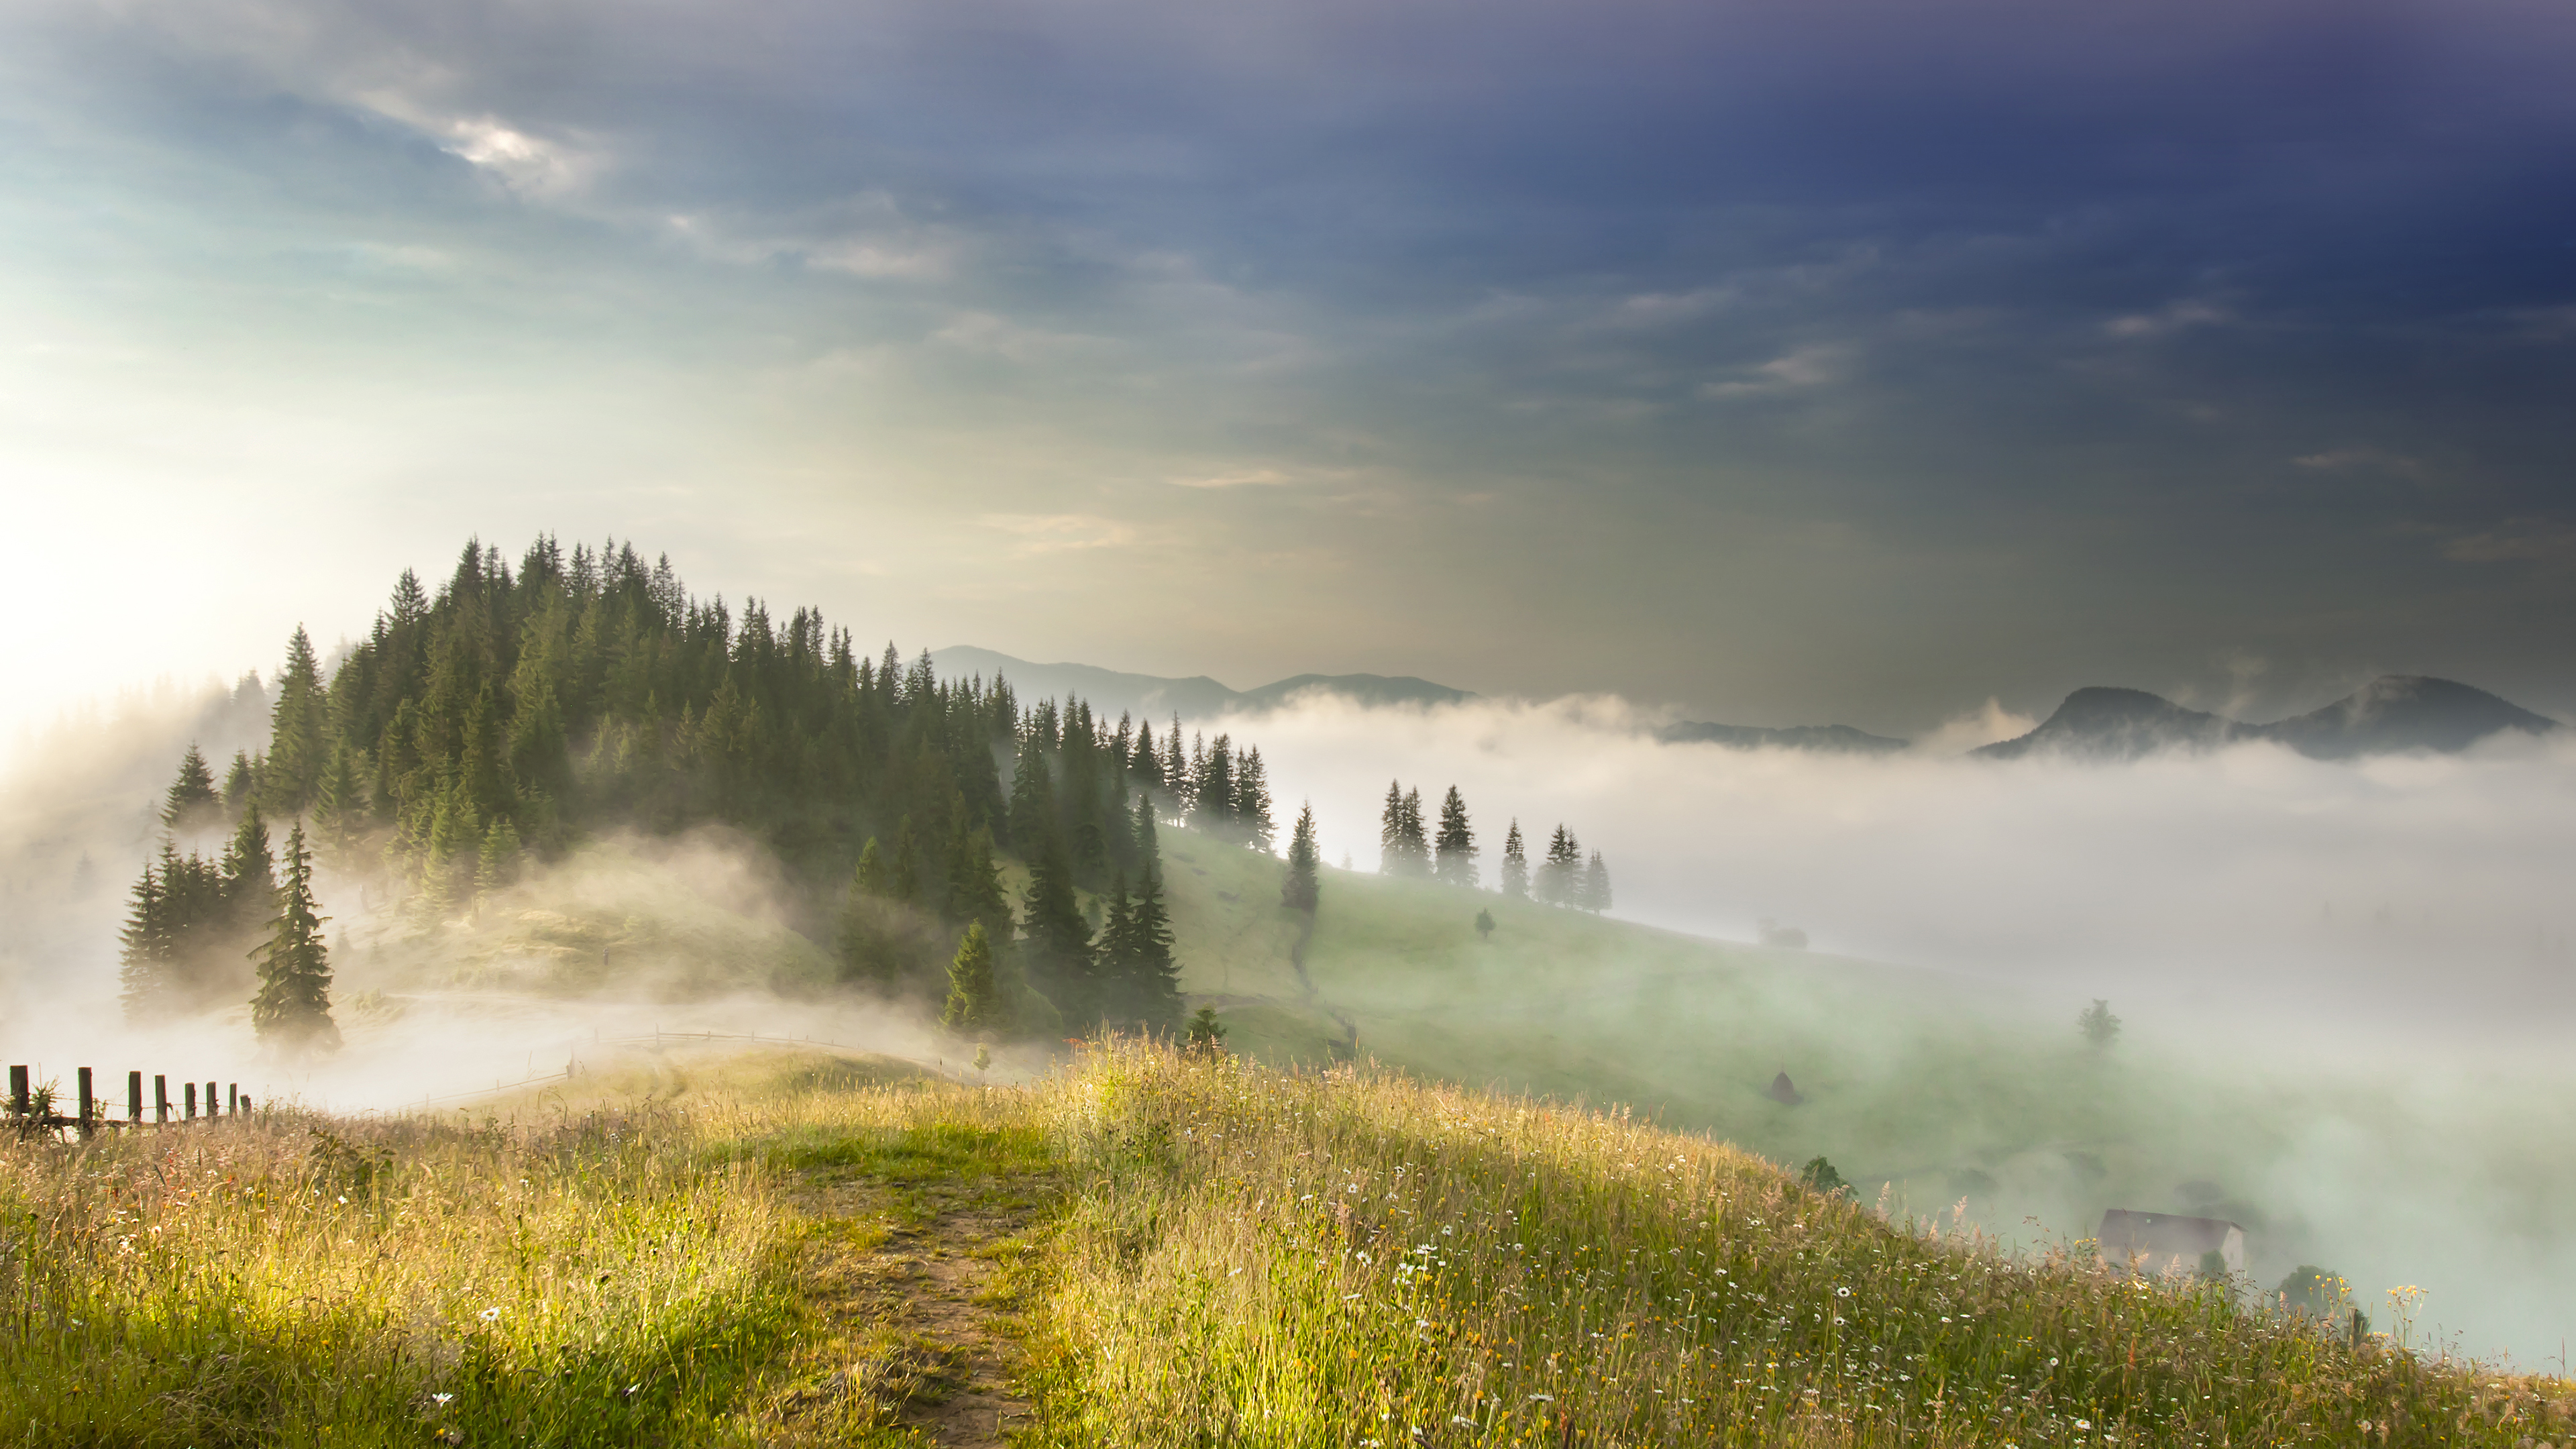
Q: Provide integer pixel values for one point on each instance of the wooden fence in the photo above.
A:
(38, 1110)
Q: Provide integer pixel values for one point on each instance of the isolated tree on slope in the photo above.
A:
(2099, 1026)
(1401, 847)
(1559, 876)
(1456, 843)
(1252, 800)
(1516, 876)
(973, 1002)
(292, 1010)
(1596, 885)
(1302, 887)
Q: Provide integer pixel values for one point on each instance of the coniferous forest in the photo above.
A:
(488, 723)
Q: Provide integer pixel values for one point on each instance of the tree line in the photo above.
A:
(494, 719)
(1408, 846)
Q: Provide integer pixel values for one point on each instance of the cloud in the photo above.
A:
(2166, 321)
(1051, 533)
(1797, 370)
(1985, 725)
(2525, 540)
(2363, 459)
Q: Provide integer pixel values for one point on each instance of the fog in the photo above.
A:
(2344, 982)
(2422, 893)
(2346, 986)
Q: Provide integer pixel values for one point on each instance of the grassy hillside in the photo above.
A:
(1933, 1090)
(791, 1248)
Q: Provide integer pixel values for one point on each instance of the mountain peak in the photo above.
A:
(2392, 714)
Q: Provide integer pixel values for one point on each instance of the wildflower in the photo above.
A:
(2084, 1424)
(1842, 1293)
(490, 1314)
(442, 1400)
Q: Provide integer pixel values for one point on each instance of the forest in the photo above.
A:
(489, 724)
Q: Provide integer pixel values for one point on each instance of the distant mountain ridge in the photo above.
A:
(1837, 739)
(2393, 714)
(1152, 696)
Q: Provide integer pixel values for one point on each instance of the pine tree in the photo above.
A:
(339, 801)
(241, 783)
(1058, 946)
(1456, 844)
(1302, 887)
(974, 1001)
(1115, 959)
(904, 874)
(1390, 831)
(144, 961)
(975, 885)
(1212, 798)
(292, 1010)
(192, 803)
(1252, 800)
(1155, 978)
(497, 862)
(1176, 766)
(296, 749)
(1516, 876)
(1596, 885)
(1560, 875)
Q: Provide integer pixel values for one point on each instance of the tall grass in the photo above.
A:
(1225, 1255)
(287, 1277)
(1353, 1259)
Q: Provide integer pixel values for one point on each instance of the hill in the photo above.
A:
(1147, 1249)
(2393, 714)
(1837, 739)
(1148, 696)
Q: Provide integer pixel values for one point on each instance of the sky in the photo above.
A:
(1856, 361)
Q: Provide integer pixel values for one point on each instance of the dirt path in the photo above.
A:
(910, 1300)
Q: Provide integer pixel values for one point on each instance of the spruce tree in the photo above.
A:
(1302, 887)
(241, 783)
(1413, 851)
(1155, 976)
(292, 1009)
(1596, 885)
(1115, 959)
(1560, 875)
(1252, 800)
(296, 748)
(1456, 843)
(339, 800)
(975, 885)
(1212, 799)
(497, 862)
(192, 802)
(974, 998)
(1516, 876)
(1390, 831)
(1058, 946)
(143, 965)
(1176, 766)
(904, 874)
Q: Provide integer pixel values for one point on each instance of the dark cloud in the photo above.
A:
(1978, 309)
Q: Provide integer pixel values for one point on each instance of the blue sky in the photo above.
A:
(1784, 362)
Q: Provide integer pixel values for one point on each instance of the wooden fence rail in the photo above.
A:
(34, 1109)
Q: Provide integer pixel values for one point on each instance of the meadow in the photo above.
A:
(787, 1247)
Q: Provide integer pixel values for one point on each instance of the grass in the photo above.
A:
(1175, 1251)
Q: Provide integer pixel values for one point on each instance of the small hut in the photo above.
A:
(2157, 1243)
(1785, 1091)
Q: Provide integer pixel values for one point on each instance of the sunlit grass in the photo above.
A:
(1210, 1252)
(1349, 1259)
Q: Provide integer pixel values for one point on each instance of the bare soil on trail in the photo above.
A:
(910, 1303)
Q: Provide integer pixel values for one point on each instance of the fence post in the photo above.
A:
(189, 1114)
(87, 1107)
(160, 1098)
(232, 1098)
(134, 1097)
(210, 1100)
(18, 1090)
